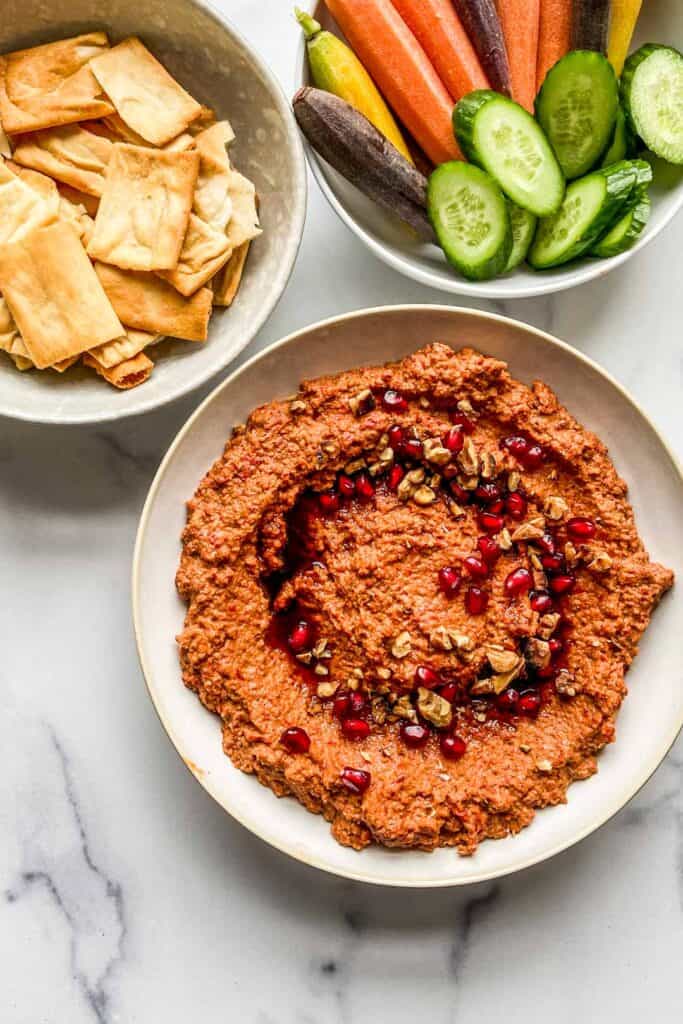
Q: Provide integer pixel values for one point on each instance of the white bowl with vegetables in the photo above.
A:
(531, 209)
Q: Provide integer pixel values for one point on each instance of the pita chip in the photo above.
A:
(148, 303)
(226, 283)
(77, 198)
(69, 154)
(145, 96)
(244, 222)
(145, 208)
(52, 84)
(5, 148)
(21, 207)
(118, 131)
(205, 250)
(118, 351)
(129, 374)
(54, 295)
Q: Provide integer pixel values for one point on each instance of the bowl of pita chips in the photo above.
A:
(152, 201)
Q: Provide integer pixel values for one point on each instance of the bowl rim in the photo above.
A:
(286, 261)
(601, 817)
(572, 275)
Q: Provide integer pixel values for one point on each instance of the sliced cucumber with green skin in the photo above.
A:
(623, 143)
(590, 208)
(652, 93)
(626, 231)
(523, 226)
(500, 136)
(577, 107)
(470, 217)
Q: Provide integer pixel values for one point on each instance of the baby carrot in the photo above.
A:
(402, 70)
(622, 23)
(440, 31)
(590, 19)
(554, 35)
(519, 20)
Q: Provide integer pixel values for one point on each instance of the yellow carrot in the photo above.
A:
(336, 69)
(623, 21)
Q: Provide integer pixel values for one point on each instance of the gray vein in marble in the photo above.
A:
(473, 912)
(70, 887)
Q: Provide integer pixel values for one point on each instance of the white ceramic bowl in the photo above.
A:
(210, 58)
(653, 712)
(391, 242)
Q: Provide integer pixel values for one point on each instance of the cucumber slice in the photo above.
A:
(576, 107)
(470, 218)
(523, 225)
(623, 143)
(500, 136)
(591, 206)
(652, 92)
(625, 232)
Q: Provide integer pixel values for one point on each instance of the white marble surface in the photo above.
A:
(126, 895)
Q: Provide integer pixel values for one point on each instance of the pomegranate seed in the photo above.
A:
(295, 740)
(355, 729)
(356, 780)
(459, 419)
(452, 747)
(301, 637)
(411, 448)
(449, 692)
(329, 502)
(476, 567)
(396, 474)
(356, 704)
(515, 505)
(454, 439)
(393, 401)
(529, 702)
(516, 445)
(555, 646)
(459, 493)
(507, 701)
(341, 705)
(540, 601)
(546, 543)
(496, 507)
(552, 562)
(427, 677)
(449, 580)
(490, 551)
(414, 736)
(562, 584)
(489, 522)
(346, 485)
(487, 493)
(533, 457)
(365, 489)
(476, 600)
(397, 436)
(580, 528)
(518, 582)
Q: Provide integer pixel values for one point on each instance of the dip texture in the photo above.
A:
(413, 592)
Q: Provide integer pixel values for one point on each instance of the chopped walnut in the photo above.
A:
(402, 645)
(319, 648)
(514, 480)
(435, 452)
(362, 403)
(434, 708)
(500, 659)
(600, 562)
(537, 652)
(544, 765)
(464, 405)
(533, 529)
(555, 507)
(424, 402)
(297, 407)
(326, 690)
(384, 673)
(321, 670)
(457, 511)
(565, 684)
(525, 748)
(441, 639)
(424, 496)
(504, 540)
(461, 641)
(404, 709)
(355, 466)
(468, 483)
(306, 657)
(379, 711)
(547, 625)
(468, 460)
(488, 465)
(571, 556)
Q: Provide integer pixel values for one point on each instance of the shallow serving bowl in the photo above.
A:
(209, 57)
(653, 712)
(659, 22)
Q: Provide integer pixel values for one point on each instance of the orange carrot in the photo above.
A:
(439, 29)
(554, 37)
(402, 71)
(519, 20)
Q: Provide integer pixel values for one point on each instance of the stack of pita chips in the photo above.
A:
(121, 217)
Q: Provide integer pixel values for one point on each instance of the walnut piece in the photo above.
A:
(402, 645)
(547, 625)
(362, 403)
(435, 452)
(538, 652)
(434, 708)
(555, 507)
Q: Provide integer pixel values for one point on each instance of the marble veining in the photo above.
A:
(128, 897)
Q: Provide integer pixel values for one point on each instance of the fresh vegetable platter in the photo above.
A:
(518, 140)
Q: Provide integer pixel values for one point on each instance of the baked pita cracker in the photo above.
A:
(129, 374)
(226, 284)
(118, 131)
(52, 84)
(59, 206)
(54, 295)
(21, 208)
(148, 303)
(204, 121)
(205, 250)
(77, 198)
(5, 148)
(244, 222)
(212, 201)
(145, 208)
(11, 341)
(121, 349)
(69, 154)
(145, 96)
(64, 364)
